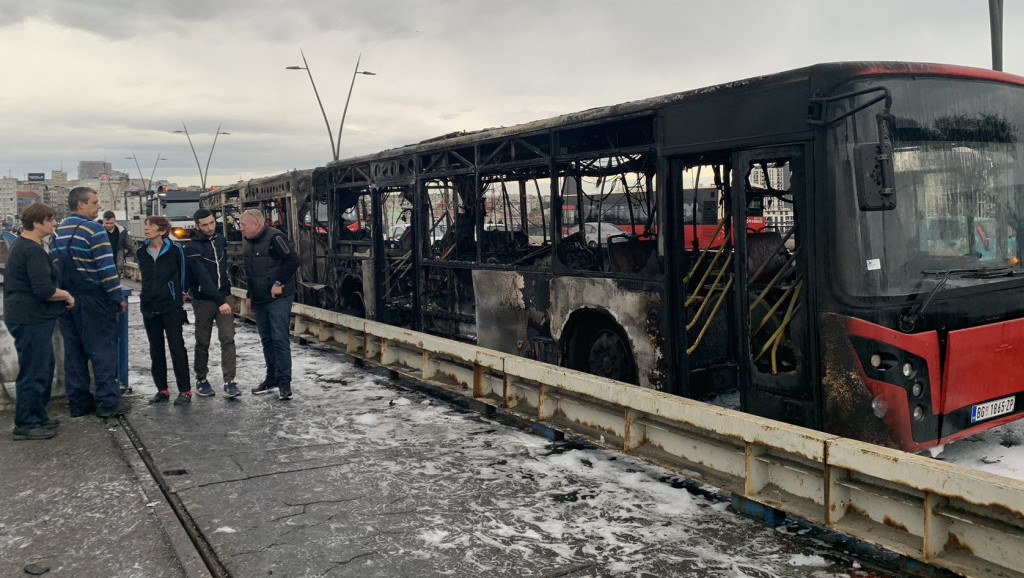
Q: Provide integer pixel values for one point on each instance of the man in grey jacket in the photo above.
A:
(121, 242)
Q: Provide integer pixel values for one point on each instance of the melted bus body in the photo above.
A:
(778, 237)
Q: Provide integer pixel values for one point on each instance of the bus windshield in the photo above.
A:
(959, 186)
(179, 209)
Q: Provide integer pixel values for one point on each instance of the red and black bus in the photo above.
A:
(779, 239)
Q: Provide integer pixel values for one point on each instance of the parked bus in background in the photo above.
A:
(288, 206)
(778, 237)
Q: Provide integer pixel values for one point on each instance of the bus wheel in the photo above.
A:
(603, 351)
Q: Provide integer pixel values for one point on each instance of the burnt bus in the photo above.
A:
(288, 205)
(769, 237)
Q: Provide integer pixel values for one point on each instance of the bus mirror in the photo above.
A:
(875, 176)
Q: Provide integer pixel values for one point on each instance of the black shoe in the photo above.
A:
(184, 398)
(111, 412)
(36, 433)
(81, 411)
(160, 397)
(51, 424)
(284, 391)
(266, 387)
(204, 389)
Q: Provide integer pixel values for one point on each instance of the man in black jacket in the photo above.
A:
(210, 288)
(270, 265)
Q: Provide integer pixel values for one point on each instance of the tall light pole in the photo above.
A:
(305, 66)
(145, 185)
(202, 173)
(995, 18)
(335, 145)
(352, 85)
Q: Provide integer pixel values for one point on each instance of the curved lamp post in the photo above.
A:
(146, 185)
(202, 173)
(335, 145)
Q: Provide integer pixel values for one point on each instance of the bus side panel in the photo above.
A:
(630, 307)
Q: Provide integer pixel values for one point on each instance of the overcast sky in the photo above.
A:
(102, 79)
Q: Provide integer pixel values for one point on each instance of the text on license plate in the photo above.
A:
(992, 408)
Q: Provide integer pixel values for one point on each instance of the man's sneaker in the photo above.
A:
(53, 423)
(204, 389)
(36, 433)
(266, 387)
(160, 397)
(184, 398)
(115, 411)
(284, 391)
(231, 390)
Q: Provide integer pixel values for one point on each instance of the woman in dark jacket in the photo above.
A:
(162, 264)
(32, 304)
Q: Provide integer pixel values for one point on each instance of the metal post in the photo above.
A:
(305, 66)
(995, 17)
(341, 125)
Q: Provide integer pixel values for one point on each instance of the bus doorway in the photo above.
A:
(777, 359)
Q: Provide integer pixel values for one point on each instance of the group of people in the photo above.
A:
(77, 286)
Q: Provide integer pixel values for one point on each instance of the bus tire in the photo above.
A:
(600, 347)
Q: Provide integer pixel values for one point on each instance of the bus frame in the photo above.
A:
(694, 305)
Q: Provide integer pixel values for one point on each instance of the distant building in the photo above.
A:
(88, 170)
(8, 197)
(26, 198)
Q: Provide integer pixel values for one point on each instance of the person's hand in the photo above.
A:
(276, 291)
(124, 307)
(186, 297)
(248, 306)
(69, 302)
(224, 309)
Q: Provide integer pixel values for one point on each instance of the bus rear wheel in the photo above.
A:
(603, 351)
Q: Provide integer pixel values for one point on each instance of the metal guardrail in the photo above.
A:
(944, 515)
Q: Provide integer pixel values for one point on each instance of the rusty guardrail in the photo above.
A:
(945, 515)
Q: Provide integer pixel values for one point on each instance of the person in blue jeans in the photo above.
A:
(81, 251)
(32, 304)
(270, 265)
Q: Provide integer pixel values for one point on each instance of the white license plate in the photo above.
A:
(992, 408)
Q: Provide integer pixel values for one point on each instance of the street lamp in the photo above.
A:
(145, 185)
(335, 145)
(142, 177)
(202, 173)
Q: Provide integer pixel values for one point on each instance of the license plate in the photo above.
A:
(992, 408)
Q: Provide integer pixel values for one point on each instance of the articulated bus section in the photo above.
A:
(834, 246)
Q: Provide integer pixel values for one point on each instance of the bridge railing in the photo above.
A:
(944, 515)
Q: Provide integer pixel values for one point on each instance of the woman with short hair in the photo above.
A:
(32, 304)
(161, 262)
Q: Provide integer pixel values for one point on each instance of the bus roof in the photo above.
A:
(827, 74)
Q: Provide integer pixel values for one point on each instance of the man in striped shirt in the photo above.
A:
(81, 250)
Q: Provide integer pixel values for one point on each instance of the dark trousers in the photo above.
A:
(206, 314)
(273, 323)
(90, 331)
(34, 344)
(169, 324)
